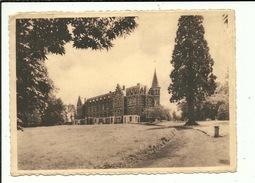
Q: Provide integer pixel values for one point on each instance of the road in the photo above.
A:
(189, 148)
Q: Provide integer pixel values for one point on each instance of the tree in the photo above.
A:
(221, 99)
(174, 116)
(55, 112)
(156, 112)
(70, 111)
(168, 116)
(35, 38)
(192, 75)
(223, 112)
(209, 108)
(183, 107)
(203, 110)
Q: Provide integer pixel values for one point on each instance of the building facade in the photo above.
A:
(123, 105)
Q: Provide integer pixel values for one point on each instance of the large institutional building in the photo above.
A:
(124, 105)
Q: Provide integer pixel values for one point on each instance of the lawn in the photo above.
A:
(163, 144)
(87, 146)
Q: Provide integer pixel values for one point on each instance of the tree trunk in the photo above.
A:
(191, 111)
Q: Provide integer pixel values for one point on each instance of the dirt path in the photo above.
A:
(189, 148)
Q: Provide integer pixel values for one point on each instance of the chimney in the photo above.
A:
(123, 88)
(85, 100)
(145, 90)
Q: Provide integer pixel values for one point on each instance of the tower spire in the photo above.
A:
(79, 102)
(155, 80)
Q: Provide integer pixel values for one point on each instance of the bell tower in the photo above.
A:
(155, 89)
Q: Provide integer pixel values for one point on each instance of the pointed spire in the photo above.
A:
(79, 102)
(155, 80)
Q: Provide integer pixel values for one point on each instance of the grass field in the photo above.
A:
(116, 146)
(94, 146)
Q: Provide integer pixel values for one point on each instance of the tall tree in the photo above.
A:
(192, 75)
(35, 38)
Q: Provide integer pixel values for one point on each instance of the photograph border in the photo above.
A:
(232, 99)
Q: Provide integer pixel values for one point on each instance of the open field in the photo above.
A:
(166, 144)
(95, 146)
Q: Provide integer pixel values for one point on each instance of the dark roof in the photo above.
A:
(155, 80)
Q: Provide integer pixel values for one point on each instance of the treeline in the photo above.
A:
(55, 113)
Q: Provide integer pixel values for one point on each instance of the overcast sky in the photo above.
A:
(88, 73)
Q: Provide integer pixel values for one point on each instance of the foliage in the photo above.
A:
(70, 112)
(33, 119)
(175, 117)
(221, 100)
(156, 112)
(35, 38)
(214, 107)
(55, 112)
(223, 112)
(192, 77)
(204, 110)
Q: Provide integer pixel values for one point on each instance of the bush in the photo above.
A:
(223, 112)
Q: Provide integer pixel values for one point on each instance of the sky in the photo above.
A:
(133, 58)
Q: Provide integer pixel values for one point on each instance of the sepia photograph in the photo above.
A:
(123, 92)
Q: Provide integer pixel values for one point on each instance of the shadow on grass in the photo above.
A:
(149, 124)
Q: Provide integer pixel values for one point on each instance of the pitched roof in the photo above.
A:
(155, 80)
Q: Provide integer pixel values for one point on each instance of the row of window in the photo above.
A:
(119, 103)
(97, 114)
(118, 112)
(99, 99)
(135, 111)
(156, 92)
(98, 108)
(135, 92)
(141, 101)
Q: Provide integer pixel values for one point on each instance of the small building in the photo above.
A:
(131, 119)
